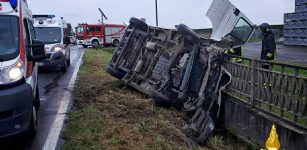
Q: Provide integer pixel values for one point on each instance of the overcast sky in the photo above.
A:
(171, 12)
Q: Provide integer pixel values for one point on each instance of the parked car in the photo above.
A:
(19, 52)
(53, 32)
(178, 68)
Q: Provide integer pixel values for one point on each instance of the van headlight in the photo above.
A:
(57, 48)
(15, 73)
(12, 73)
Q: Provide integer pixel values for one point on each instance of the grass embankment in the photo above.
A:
(109, 115)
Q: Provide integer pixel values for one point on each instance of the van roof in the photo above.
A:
(6, 8)
(49, 21)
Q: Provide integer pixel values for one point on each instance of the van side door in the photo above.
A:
(29, 35)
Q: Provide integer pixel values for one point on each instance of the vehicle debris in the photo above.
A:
(178, 68)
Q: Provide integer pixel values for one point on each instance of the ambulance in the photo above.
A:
(54, 32)
(19, 52)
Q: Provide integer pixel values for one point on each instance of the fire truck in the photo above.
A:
(99, 34)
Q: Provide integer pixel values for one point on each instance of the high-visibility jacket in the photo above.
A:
(268, 51)
(237, 52)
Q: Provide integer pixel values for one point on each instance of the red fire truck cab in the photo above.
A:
(99, 34)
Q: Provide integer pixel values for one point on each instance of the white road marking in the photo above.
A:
(57, 125)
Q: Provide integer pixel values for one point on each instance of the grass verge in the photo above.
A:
(109, 115)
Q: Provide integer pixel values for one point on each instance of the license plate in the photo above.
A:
(40, 64)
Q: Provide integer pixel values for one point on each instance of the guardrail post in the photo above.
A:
(252, 74)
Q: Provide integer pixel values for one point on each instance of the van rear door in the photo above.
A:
(225, 17)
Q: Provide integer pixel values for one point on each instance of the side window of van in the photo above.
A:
(32, 30)
(27, 37)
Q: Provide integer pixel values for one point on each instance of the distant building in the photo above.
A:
(295, 25)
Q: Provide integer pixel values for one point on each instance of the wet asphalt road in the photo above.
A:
(52, 85)
(292, 54)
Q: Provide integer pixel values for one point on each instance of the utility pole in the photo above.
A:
(157, 20)
(102, 16)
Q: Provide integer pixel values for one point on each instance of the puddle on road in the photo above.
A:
(54, 84)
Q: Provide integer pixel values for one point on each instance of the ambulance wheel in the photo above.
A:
(31, 132)
(68, 61)
(115, 42)
(37, 98)
(64, 68)
(138, 23)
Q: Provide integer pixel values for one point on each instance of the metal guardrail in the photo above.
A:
(281, 90)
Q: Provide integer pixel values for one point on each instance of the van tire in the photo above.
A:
(32, 130)
(115, 73)
(115, 42)
(138, 23)
(188, 34)
(68, 61)
(64, 68)
(84, 46)
(37, 98)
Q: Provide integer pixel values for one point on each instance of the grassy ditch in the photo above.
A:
(109, 115)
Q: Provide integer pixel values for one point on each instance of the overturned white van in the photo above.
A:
(178, 68)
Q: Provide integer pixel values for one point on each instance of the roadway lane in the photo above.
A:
(52, 85)
(293, 54)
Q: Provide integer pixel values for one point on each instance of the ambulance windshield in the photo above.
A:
(9, 37)
(49, 35)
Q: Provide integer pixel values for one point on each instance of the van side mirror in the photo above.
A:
(38, 50)
(67, 40)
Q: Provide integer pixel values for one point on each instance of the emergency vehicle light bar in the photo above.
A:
(44, 16)
(14, 3)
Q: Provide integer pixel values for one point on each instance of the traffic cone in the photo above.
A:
(273, 143)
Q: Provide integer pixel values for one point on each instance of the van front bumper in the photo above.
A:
(15, 110)
(56, 61)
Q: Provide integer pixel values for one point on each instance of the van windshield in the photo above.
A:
(242, 30)
(9, 37)
(49, 35)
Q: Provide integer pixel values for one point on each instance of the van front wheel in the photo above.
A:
(64, 68)
(33, 123)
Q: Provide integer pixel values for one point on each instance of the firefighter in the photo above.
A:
(236, 52)
(268, 51)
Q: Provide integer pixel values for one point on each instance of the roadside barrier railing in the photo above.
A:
(276, 88)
